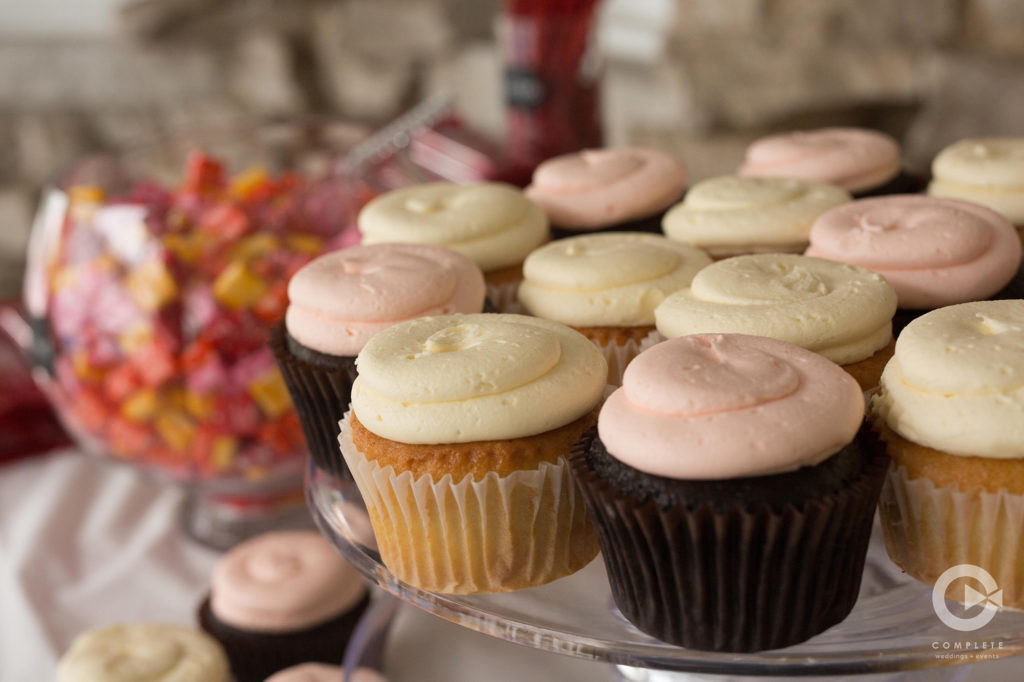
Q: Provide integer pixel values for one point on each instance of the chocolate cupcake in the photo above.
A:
(491, 223)
(282, 599)
(732, 491)
(606, 286)
(839, 311)
(626, 189)
(863, 162)
(339, 301)
(144, 652)
(934, 252)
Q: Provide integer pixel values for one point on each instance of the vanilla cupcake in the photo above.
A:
(732, 489)
(457, 439)
(950, 412)
(341, 299)
(281, 599)
(934, 252)
(491, 223)
(606, 286)
(626, 189)
(863, 162)
(987, 171)
(840, 311)
(144, 652)
(732, 215)
(319, 672)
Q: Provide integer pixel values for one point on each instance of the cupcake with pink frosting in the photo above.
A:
(935, 252)
(338, 302)
(281, 599)
(863, 162)
(627, 189)
(732, 489)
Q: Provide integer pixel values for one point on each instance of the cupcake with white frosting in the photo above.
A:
(732, 215)
(492, 224)
(626, 189)
(457, 439)
(839, 311)
(987, 171)
(861, 161)
(732, 490)
(950, 412)
(144, 652)
(281, 599)
(320, 672)
(337, 302)
(606, 286)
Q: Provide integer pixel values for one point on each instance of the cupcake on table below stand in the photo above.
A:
(144, 652)
(340, 300)
(458, 438)
(626, 189)
(319, 672)
(934, 252)
(949, 412)
(863, 162)
(606, 286)
(732, 490)
(839, 311)
(732, 215)
(986, 171)
(282, 599)
(492, 224)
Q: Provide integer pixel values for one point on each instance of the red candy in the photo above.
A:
(161, 331)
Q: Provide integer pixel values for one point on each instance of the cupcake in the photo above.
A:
(319, 672)
(457, 439)
(732, 215)
(732, 490)
(606, 286)
(491, 223)
(626, 189)
(949, 411)
(840, 311)
(863, 162)
(987, 171)
(934, 252)
(340, 300)
(144, 652)
(281, 599)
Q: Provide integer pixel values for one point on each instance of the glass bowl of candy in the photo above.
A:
(149, 299)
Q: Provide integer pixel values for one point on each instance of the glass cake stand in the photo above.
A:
(892, 628)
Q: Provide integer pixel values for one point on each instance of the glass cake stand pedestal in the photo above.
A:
(892, 629)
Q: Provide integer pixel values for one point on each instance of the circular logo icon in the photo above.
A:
(990, 599)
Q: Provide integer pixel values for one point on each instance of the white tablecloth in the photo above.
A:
(85, 543)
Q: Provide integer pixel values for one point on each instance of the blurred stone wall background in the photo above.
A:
(726, 71)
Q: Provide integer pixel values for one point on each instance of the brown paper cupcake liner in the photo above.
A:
(735, 579)
(494, 535)
(928, 529)
(255, 656)
(321, 389)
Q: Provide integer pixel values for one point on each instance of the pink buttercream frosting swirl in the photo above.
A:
(852, 158)
(601, 187)
(283, 582)
(716, 406)
(341, 299)
(935, 252)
